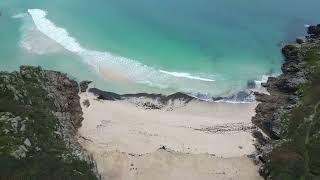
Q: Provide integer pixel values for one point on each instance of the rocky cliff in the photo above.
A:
(39, 115)
(289, 115)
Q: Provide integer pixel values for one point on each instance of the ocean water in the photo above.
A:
(205, 47)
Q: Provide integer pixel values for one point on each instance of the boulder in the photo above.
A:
(291, 52)
(27, 142)
(314, 31)
(300, 40)
(86, 103)
(84, 85)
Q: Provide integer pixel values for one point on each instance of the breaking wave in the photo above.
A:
(137, 72)
(186, 75)
(131, 69)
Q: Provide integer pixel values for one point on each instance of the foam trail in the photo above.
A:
(186, 75)
(121, 67)
(19, 16)
(128, 67)
(58, 34)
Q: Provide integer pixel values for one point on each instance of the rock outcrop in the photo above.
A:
(276, 113)
(314, 31)
(84, 85)
(282, 91)
(163, 98)
(40, 113)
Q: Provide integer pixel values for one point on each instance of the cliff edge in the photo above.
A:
(289, 115)
(40, 113)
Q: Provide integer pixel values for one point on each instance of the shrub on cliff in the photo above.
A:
(35, 143)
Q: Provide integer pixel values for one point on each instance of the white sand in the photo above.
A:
(163, 165)
(112, 130)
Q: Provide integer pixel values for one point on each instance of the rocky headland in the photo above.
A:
(40, 113)
(289, 116)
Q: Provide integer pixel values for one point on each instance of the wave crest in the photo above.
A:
(131, 69)
(186, 75)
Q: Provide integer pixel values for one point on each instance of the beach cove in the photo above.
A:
(138, 138)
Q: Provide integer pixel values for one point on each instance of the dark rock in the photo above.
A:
(314, 31)
(161, 98)
(251, 84)
(262, 159)
(149, 105)
(86, 103)
(84, 85)
(259, 136)
(291, 52)
(261, 97)
(300, 40)
(163, 148)
(104, 95)
(282, 95)
(264, 85)
(219, 98)
(243, 95)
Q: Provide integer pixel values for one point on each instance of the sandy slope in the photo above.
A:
(118, 134)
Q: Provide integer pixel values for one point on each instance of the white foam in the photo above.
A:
(186, 75)
(19, 16)
(58, 34)
(130, 68)
(264, 79)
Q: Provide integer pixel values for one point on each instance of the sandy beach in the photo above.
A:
(198, 140)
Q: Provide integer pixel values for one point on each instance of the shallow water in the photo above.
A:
(211, 47)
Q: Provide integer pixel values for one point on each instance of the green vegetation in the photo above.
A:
(297, 155)
(32, 145)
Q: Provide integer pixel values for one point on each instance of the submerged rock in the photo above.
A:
(251, 84)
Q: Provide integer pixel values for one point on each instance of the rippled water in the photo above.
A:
(207, 47)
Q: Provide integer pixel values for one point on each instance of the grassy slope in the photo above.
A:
(297, 156)
(26, 113)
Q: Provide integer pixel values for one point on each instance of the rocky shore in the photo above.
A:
(284, 147)
(40, 114)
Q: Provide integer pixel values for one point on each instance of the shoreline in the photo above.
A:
(149, 133)
(283, 134)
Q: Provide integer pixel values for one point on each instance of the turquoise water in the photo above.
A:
(207, 46)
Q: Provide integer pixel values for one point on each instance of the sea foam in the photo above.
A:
(131, 69)
(186, 75)
(20, 15)
(58, 34)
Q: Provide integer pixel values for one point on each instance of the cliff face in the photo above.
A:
(39, 115)
(290, 114)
